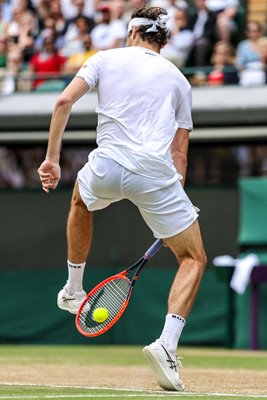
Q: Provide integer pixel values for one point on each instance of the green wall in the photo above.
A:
(32, 268)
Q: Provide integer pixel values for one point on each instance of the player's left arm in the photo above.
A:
(49, 171)
(179, 150)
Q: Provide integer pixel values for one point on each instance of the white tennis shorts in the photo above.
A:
(165, 207)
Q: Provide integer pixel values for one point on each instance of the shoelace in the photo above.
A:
(178, 361)
(173, 363)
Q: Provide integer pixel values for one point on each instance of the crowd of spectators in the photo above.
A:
(52, 38)
(43, 43)
(211, 165)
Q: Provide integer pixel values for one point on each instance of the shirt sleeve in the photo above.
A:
(90, 70)
(184, 113)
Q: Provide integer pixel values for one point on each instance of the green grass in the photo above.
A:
(109, 355)
(33, 392)
(117, 356)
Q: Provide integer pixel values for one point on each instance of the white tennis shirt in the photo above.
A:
(142, 100)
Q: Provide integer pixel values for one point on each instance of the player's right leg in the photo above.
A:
(79, 239)
(97, 186)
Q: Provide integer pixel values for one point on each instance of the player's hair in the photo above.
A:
(161, 36)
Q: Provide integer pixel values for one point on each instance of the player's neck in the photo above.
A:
(140, 43)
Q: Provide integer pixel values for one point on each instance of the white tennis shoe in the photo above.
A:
(68, 302)
(165, 365)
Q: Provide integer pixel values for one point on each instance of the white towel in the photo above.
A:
(242, 271)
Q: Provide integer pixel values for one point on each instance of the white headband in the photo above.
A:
(160, 21)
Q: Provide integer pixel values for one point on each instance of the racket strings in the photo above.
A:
(112, 296)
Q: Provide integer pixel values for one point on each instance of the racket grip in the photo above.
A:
(153, 249)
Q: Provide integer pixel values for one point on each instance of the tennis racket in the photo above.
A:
(113, 294)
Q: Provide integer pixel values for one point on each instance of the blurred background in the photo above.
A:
(221, 47)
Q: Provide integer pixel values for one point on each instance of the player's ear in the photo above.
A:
(134, 32)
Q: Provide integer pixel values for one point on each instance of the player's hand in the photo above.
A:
(49, 173)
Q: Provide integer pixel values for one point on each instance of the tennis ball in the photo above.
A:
(100, 314)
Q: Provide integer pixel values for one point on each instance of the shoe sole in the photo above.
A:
(162, 378)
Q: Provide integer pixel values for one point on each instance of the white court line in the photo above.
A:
(140, 392)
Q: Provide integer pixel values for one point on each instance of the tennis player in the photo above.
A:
(144, 120)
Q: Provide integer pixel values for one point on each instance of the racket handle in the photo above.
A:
(153, 249)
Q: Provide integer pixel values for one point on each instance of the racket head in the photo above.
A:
(112, 294)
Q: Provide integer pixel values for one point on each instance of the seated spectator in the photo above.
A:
(47, 61)
(226, 11)
(171, 7)
(181, 40)
(202, 22)
(3, 22)
(76, 60)
(22, 31)
(223, 62)
(55, 15)
(9, 74)
(80, 11)
(117, 10)
(74, 8)
(109, 33)
(11, 175)
(73, 40)
(249, 59)
(49, 28)
(130, 6)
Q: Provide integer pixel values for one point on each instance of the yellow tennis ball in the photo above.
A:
(100, 314)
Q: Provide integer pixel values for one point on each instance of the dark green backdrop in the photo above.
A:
(32, 267)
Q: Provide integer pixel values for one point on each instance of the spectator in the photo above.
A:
(42, 10)
(226, 11)
(22, 31)
(73, 8)
(5, 12)
(49, 28)
(10, 72)
(73, 40)
(76, 60)
(117, 9)
(109, 33)
(181, 40)
(171, 7)
(202, 22)
(3, 22)
(55, 13)
(11, 175)
(249, 59)
(223, 61)
(80, 11)
(130, 6)
(47, 61)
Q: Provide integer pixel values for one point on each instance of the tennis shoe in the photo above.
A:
(69, 302)
(165, 365)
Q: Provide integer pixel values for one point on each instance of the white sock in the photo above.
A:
(75, 279)
(172, 330)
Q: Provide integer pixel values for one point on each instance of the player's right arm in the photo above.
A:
(49, 170)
